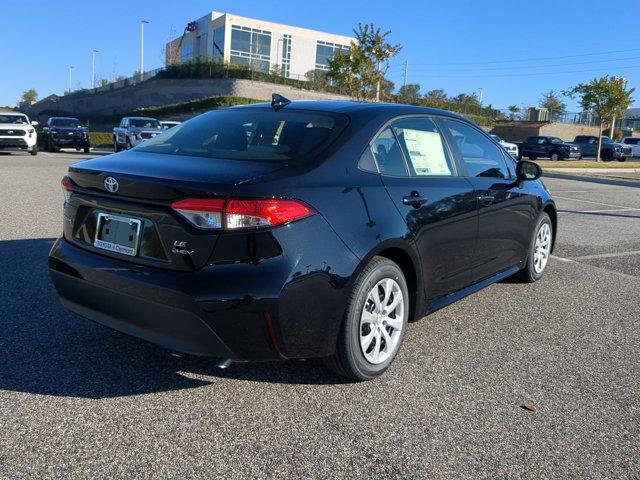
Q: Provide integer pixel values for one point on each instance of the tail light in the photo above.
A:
(67, 189)
(233, 214)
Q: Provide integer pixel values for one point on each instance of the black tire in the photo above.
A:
(555, 156)
(116, 147)
(607, 156)
(349, 360)
(46, 144)
(52, 146)
(128, 145)
(622, 159)
(34, 150)
(528, 274)
(533, 158)
(87, 149)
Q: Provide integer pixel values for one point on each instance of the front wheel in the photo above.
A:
(374, 324)
(539, 251)
(555, 156)
(87, 149)
(622, 159)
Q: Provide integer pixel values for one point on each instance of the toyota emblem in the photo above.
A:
(111, 184)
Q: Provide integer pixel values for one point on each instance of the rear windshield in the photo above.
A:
(293, 136)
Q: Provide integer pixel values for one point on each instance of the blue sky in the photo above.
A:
(513, 50)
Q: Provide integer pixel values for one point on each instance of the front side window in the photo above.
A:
(555, 140)
(481, 156)
(423, 147)
(386, 151)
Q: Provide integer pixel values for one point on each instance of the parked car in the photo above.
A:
(609, 151)
(167, 124)
(511, 148)
(298, 230)
(634, 144)
(133, 131)
(547, 147)
(65, 132)
(17, 132)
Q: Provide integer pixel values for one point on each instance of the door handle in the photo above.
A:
(415, 200)
(486, 199)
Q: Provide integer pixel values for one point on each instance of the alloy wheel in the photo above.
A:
(381, 321)
(542, 248)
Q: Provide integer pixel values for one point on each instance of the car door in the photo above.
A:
(439, 206)
(506, 210)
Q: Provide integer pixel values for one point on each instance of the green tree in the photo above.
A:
(29, 97)
(437, 98)
(360, 71)
(410, 94)
(466, 103)
(317, 78)
(514, 110)
(607, 97)
(551, 101)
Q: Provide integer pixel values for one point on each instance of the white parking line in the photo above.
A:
(614, 272)
(607, 255)
(600, 211)
(595, 203)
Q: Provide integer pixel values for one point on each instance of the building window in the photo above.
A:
(251, 46)
(285, 68)
(325, 52)
(186, 51)
(218, 44)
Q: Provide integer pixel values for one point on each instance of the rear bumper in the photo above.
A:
(284, 302)
(174, 328)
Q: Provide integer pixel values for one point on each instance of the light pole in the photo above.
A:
(142, 23)
(70, 69)
(93, 68)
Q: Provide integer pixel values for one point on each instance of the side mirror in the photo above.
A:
(526, 170)
(34, 123)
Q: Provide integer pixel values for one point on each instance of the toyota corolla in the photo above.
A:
(296, 230)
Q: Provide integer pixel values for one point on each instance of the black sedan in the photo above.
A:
(298, 230)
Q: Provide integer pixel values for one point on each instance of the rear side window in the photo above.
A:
(388, 155)
(632, 141)
(480, 155)
(294, 136)
(423, 147)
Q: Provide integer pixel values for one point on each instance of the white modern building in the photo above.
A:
(256, 43)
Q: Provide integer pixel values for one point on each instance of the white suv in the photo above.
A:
(634, 143)
(17, 132)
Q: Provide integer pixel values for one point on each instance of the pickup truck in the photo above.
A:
(65, 132)
(133, 131)
(547, 147)
(609, 151)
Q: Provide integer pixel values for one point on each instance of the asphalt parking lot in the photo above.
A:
(78, 400)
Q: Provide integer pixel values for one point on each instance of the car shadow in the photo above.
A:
(44, 349)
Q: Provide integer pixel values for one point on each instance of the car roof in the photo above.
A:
(348, 106)
(140, 118)
(63, 118)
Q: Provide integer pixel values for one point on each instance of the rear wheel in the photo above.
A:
(555, 156)
(539, 251)
(374, 324)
